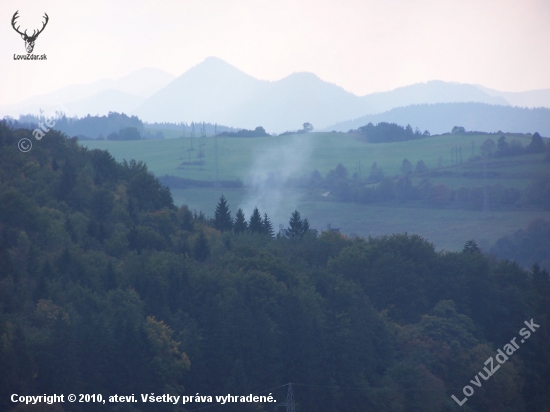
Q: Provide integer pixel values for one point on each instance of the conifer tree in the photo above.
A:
(471, 247)
(240, 224)
(222, 216)
(256, 224)
(296, 226)
(268, 226)
(305, 226)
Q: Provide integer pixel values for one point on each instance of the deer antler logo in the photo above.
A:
(29, 40)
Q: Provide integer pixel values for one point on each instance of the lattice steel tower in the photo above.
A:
(289, 403)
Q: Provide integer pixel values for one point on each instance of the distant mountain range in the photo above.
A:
(97, 98)
(442, 117)
(216, 92)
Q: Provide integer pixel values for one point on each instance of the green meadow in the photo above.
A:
(447, 228)
(299, 155)
(315, 151)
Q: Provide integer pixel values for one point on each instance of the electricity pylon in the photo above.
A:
(289, 403)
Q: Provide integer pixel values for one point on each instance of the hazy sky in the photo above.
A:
(362, 45)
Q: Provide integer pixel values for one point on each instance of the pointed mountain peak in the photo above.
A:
(214, 64)
(214, 60)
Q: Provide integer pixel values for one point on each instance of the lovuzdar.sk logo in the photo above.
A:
(29, 40)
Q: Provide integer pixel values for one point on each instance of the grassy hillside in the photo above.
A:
(515, 171)
(314, 151)
(243, 158)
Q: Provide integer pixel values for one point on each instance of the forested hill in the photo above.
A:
(107, 288)
(441, 117)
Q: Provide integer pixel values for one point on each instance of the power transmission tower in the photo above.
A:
(216, 160)
(183, 138)
(289, 403)
(202, 139)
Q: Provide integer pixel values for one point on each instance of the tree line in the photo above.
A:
(385, 132)
(376, 187)
(114, 126)
(515, 148)
(257, 132)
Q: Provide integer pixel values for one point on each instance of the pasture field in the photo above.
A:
(238, 158)
(168, 133)
(515, 171)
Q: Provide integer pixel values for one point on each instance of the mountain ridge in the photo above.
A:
(217, 92)
(286, 103)
(440, 118)
(82, 99)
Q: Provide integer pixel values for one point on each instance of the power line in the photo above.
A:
(217, 184)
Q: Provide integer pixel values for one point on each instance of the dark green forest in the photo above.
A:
(92, 127)
(389, 132)
(106, 287)
(257, 132)
(114, 126)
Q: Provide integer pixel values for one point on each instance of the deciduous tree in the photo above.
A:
(406, 167)
(420, 167)
(201, 249)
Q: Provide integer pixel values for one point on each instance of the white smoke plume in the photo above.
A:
(270, 174)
